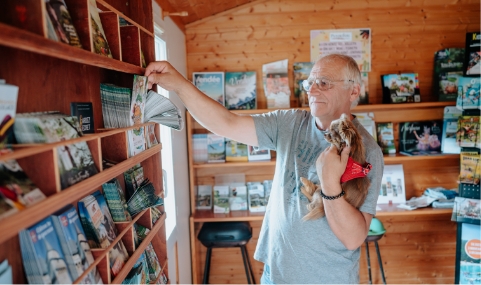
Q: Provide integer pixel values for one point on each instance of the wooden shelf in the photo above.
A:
(391, 159)
(23, 219)
(234, 216)
(24, 40)
(366, 108)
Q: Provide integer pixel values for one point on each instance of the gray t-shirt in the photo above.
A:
(300, 251)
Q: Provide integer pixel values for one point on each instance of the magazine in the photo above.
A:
(221, 199)
(301, 73)
(276, 84)
(472, 56)
(468, 133)
(400, 88)
(240, 90)
(211, 84)
(215, 148)
(420, 138)
(235, 151)
(450, 127)
(98, 39)
(469, 91)
(203, 199)
(392, 185)
(466, 210)
(62, 22)
(448, 67)
(470, 167)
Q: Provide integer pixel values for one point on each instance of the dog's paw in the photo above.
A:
(308, 188)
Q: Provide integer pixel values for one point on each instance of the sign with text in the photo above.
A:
(353, 42)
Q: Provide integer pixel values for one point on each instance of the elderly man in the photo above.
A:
(324, 250)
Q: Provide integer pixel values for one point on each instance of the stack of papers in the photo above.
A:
(161, 110)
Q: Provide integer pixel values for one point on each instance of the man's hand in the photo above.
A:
(330, 166)
(165, 75)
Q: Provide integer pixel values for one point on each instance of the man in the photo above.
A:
(325, 250)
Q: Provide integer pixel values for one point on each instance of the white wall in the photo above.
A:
(176, 54)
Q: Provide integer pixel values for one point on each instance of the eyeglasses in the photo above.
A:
(322, 83)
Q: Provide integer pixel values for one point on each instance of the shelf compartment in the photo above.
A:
(110, 23)
(115, 147)
(130, 43)
(44, 177)
(37, 212)
(25, 14)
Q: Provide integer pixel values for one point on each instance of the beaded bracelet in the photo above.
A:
(332, 197)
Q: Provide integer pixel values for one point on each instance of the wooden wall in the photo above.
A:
(404, 35)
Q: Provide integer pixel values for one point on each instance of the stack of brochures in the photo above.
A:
(160, 109)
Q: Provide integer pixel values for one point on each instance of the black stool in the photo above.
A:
(374, 238)
(226, 234)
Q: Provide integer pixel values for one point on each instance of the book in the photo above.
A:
(98, 40)
(100, 229)
(420, 138)
(62, 22)
(235, 151)
(211, 84)
(468, 133)
(277, 90)
(364, 94)
(74, 244)
(470, 167)
(8, 109)
(240, 90)
(450, 127)
(392, 185)
(400, 88)
(85, 114)
(301, 73)
(448, 66)
(215, 148)
(199, 142)
(276, 84)
(255, 153)
(469, 91)
(472, 56)
(221, 199)
(42, 245)
(385, 138)
(203, 198)
(256, 197)
(238, 198)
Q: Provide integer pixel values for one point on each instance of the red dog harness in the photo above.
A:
(355, 170)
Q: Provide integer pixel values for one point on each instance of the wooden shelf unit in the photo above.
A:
(419, 171)
(50, 75)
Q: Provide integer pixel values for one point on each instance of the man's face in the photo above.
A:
(331, 103)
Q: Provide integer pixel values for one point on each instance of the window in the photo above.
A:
(166, 138)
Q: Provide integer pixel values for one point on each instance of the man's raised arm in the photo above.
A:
(209, 113)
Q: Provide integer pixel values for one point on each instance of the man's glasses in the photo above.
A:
(322, 83)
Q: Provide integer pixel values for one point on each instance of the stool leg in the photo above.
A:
(249, 264)
(207, 265)
(368, 262)
(244, 256)
(380, 262)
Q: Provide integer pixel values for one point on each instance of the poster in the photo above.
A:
(353, 42)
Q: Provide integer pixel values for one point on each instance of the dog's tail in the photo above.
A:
(314, 214)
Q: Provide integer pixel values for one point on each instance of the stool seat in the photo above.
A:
(370, 238)
(226, 234)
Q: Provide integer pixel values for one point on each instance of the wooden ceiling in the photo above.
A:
(197, 9)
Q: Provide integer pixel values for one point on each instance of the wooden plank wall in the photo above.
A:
(405, 35)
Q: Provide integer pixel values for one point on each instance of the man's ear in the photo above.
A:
(356, 92)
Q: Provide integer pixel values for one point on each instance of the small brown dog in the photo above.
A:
(342, 132)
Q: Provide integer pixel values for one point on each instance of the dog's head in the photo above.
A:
(342, 132)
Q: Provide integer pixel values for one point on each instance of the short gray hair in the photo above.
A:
(351, 69)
